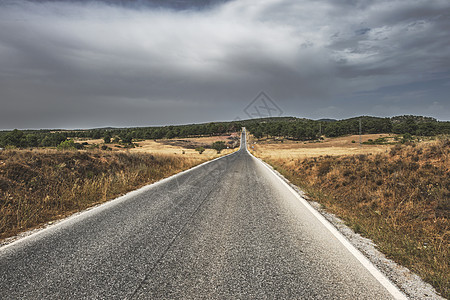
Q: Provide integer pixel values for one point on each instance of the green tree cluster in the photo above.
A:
(288, 127)
(23, 139)
(69, 145)
(218, 146)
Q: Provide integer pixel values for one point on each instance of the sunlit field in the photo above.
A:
(288, 149)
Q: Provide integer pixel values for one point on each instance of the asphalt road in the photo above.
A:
(229, 229)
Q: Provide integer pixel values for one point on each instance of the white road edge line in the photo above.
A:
(382, 279)
(100, 207)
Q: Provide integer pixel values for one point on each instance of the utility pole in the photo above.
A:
(320, 129)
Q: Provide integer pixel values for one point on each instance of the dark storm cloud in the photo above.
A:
(124, 63)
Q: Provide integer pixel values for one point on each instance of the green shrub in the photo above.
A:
(67, 145)
(200, 150)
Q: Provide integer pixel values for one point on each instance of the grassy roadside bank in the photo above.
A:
(399, 199)
(40, 186)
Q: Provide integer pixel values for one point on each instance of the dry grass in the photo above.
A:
(399, 199)
(158, 147)
(172, 146)
(273, 149)
(44, 185)
(89, 141)
(211, 139)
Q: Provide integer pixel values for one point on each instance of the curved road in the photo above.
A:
(228, 229)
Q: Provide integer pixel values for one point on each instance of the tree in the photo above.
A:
(53, 139)
(67, 145)
(32, 140)
(96, 134)
(171, 134)
(107, 137)
(218, 146)
(15, 138)
(258, 133)
(127, 138)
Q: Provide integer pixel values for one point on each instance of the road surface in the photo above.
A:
(229, 229)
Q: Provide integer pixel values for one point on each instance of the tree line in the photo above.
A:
(304, 129)
(287, 127)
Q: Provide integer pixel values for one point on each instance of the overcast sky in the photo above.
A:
(84, 64)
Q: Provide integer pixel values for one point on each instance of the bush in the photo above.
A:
(200, 150)
(407, 138)
(324, 168)
(68, 145)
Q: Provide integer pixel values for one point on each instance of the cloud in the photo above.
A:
(80, 63)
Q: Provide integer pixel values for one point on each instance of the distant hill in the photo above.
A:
(288, 127)
(417, 119)
(327, 120)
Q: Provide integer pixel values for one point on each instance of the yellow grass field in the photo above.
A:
(272, 149)
(160, 147)
(89, 141)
